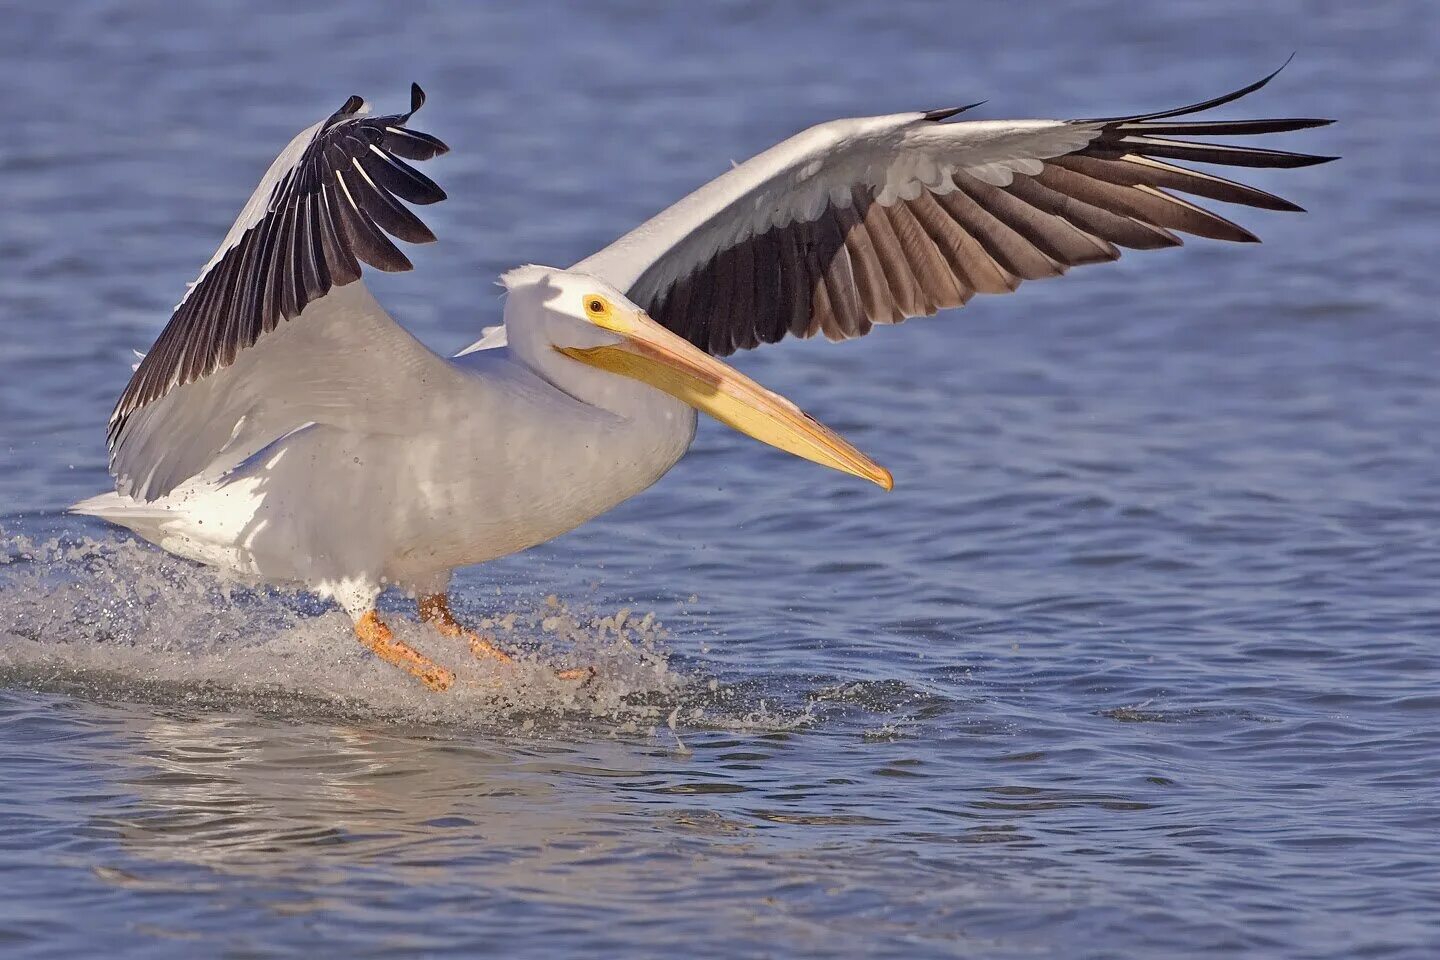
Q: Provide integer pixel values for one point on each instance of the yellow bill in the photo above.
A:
(654, 355)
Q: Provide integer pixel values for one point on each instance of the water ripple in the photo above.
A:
(1138, 659)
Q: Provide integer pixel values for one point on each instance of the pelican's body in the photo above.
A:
(345, 510)
(285, 427)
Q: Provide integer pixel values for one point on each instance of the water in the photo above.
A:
(1139, 659)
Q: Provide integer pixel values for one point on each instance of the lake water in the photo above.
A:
(1140, 659)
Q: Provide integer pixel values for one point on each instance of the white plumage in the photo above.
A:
(286, 427)
(436, 464)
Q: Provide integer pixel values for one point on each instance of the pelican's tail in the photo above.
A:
(144, 518)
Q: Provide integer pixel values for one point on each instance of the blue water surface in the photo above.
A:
(1141, 658)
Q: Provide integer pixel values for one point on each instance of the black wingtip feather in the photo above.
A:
(1210, 104)
(401, 179)
(1227, 128)
(412, 144)
(945, 113)
(1220, 153)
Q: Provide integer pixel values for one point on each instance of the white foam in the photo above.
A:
(117, 620)
(120, 620)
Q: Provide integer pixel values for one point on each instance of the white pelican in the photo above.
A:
(283, 426)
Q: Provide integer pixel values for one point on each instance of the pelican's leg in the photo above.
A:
(435, 610)
(374, 634)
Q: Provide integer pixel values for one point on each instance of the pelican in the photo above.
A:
(285, 427)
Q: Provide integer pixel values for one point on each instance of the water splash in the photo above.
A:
(119, 620)
(114, 619)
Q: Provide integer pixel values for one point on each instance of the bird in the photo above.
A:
(284, 427)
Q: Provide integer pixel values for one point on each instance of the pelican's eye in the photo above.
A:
(598, 310)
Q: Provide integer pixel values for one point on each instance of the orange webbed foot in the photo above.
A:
(373, 632)
(435, 610)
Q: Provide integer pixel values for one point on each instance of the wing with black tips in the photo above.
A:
(325, 207)
(872, 220)
(330, 203)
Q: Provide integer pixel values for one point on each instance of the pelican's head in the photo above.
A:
(595, 324)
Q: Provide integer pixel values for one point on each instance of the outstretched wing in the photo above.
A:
(872, 220)
(324, 207)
